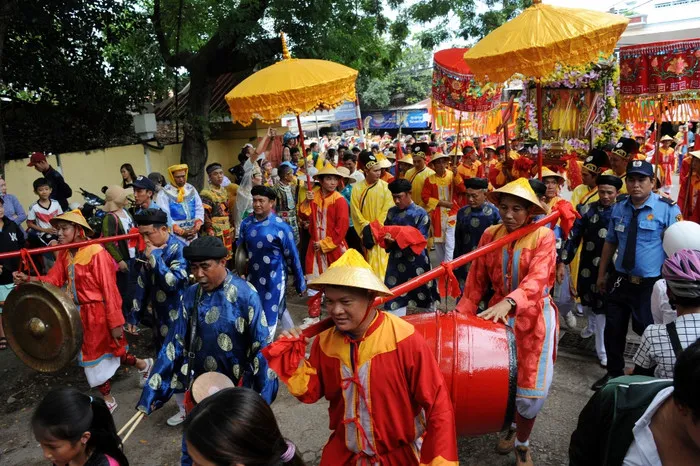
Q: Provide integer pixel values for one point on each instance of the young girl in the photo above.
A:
(75, 429)
(236, 426)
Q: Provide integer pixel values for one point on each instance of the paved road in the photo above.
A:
(154, 443)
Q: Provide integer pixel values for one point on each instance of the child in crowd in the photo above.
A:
(236, 426)
(77, 429)
(40, 231)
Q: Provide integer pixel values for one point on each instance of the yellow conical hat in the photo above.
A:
(519, 188)
(406, 159)
(352, 270)
(327, 170)
(72, 216)
(547, 172)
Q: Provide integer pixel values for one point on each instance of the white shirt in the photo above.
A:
(661, 309)
(358, 175)
(642, 450)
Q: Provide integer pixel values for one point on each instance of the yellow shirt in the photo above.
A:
(367, 204)
(417, 179)
(582, 194)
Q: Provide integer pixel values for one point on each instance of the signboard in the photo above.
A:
(415, 119)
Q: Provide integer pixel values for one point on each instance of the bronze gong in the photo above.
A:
(43, 326)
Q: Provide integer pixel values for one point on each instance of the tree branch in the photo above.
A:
(177, 60)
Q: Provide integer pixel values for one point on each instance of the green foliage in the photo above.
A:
(409, 81)
(71, 72)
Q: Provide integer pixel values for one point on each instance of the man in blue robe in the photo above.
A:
(162, 275)
(271, 253)
(472, 220)
(404, 264)
(228, 322)
(161, 281)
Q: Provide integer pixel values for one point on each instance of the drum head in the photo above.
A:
(43, 326)
(209, 383)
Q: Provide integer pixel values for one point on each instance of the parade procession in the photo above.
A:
(398, 234)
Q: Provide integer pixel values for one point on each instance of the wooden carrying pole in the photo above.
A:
(309, 188)
(443, 269)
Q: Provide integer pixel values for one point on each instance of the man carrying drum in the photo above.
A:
(521, 275)
(388, 400)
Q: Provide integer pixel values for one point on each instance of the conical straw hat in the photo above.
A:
(327, 170)
(547, 172)
(406, 159)
(73, 216)
(351, 270)
(519, 188)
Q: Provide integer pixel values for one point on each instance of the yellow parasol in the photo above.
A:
(291, 86)
(540, 37)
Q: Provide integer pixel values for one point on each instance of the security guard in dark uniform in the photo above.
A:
(635, 231)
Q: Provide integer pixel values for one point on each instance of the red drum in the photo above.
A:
(478, 360)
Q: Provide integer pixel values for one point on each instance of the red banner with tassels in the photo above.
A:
(660, 68)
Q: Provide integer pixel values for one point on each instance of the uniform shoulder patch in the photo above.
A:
(667, 200)
(679, 217)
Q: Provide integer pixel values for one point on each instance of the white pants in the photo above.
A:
(596, 323)
(400, 312)
(530, 407)
(445, 250)
(180, 400)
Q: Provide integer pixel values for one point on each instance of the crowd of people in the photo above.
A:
(343, 225)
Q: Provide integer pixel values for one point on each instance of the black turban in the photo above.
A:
(400, 185)
(205, 248)
(610, 180)
(538, 186)
(151, 217)
(476, 183)
(212, 167)
(266, 191)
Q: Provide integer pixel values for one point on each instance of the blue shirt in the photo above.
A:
(154, 205)
(656, 215)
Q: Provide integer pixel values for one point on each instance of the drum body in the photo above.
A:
(478, 360)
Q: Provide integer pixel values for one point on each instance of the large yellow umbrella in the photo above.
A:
(291, 86)
(538, 39)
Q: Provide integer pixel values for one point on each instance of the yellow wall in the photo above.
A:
(91, 170)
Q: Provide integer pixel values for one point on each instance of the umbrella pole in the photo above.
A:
(459, 130)
(539, 128)
(309, 188)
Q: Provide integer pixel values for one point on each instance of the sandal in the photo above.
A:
(3, 343)
(131, 329)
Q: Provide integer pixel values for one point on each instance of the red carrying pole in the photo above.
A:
(443, 269)
(61, 247)
(539, 128)
(309, 188)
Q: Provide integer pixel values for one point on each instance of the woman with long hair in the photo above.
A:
(77, 430)
(236, 426)
(128, 174)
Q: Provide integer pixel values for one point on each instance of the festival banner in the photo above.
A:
(660, 68)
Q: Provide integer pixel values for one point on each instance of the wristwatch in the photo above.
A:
(512, 303)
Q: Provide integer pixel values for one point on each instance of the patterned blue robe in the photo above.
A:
(590, 231)
(271, 253)
(231, 331)
(404, 264)
(471, 224)
(161, 285)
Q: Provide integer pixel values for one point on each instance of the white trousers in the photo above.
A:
(445, 250)
(596, 323)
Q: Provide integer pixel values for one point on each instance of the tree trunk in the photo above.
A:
(6, 7)
(194, 146)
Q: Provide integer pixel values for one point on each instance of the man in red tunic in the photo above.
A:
(521, 275)
(388, 401)
(89, 275)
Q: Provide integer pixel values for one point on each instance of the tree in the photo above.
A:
(64, 82)
(407, 83)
